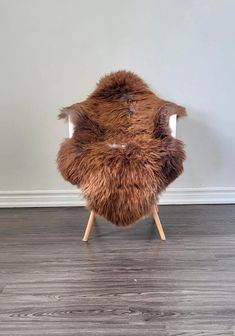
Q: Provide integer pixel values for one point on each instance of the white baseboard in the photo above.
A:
(55, 198)
(41, 198)
(208, 195)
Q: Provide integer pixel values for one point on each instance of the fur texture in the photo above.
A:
(122, 154)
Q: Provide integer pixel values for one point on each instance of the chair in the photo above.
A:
(122, 149)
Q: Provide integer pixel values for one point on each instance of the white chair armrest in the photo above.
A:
(71, 128)
(172, 124)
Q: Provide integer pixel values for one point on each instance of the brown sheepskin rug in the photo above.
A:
(122, 154)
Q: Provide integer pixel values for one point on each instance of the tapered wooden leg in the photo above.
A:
(158, 224)
(89, 226)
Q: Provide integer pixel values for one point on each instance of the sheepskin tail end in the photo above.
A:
(125, 211)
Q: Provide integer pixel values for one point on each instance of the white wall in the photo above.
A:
(54, 51)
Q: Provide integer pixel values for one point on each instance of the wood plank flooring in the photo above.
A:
(123, 281)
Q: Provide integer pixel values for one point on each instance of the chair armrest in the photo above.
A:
(172, 124)
(71, 128)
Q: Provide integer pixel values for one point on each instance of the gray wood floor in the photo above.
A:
(124, 281)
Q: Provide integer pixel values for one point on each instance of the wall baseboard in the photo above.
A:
(57, 198)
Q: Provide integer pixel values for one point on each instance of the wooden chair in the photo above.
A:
(172, 124)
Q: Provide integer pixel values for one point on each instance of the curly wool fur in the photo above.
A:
(122, 154)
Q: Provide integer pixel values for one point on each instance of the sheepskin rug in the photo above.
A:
(122, 154)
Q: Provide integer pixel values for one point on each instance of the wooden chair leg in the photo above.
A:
(158, 224)
(89, 226)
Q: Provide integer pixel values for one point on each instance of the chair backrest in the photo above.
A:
(172, 124)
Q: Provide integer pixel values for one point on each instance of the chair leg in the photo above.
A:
(158, 224)
(89, 226)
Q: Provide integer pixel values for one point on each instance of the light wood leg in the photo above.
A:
(158, 224)
(89, 226)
